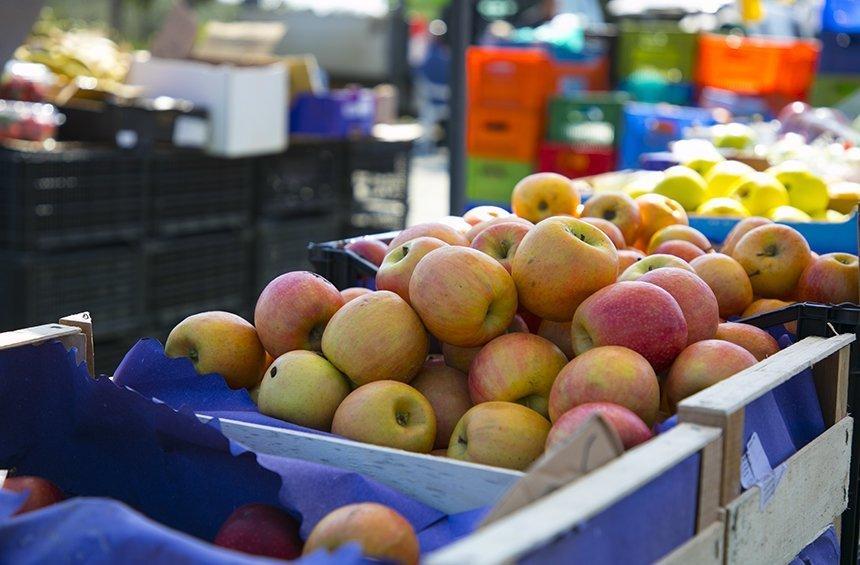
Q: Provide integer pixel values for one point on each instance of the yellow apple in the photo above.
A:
(788, 214)
(806, 190)
(759, 193)
(723, 207)
(684, 185)
(733, 136)
(723, 177)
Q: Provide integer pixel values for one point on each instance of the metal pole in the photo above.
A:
(460, 33)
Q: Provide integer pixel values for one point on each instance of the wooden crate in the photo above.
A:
(813, 491)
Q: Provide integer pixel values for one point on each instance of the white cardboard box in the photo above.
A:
(247, 105)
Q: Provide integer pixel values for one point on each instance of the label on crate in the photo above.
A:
(756, 471)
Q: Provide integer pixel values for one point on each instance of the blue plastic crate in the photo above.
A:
(841, 16)
(649, 128)
(659, 161)
(736, 103)
(840, 53)
(336, 114)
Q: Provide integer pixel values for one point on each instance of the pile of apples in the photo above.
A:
(713, 186)
(543, 317)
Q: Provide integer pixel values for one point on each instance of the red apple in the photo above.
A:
(656, 212)
(607, 374)
(293, 310)
(459, 358)
(559, 334)
(765, 305)
(616, 207)
(755, 340)
(560, 263)
(773, 256)
(831, 279)
(610, 229)
(368, 248)
(396, 270)
(260, 529)
(516, 367)
(640, 316)
(702, 364)
(678, 232)
(741, 228)
(376, 337)
(480, 214)
(447, 391)
(501, 241)
(429, 229)
(456, 222)
(464, 297)
(651, 263)
(353, 292)
(543, 195)
(681, 249)
(383, 534)
(694, 296)
(41, 492)
(478, 228)
(627, 257)
(727, 279)
(630, 428)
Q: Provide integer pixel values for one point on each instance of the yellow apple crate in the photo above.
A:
(766, 524)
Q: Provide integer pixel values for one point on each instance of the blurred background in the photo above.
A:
(160, 158)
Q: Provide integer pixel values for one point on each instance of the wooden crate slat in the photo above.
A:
(707, 548)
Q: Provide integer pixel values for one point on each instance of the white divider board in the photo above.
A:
(445, 484)
(811, 494)
(541, 522)
(707, 548)
(70, 336)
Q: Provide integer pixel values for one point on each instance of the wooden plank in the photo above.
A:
(84, 322)
(34, 335)
(445, 484)
(732, 394)
(707, 548)
(710, 473)
(831, 383)
(3, 473)
(812, 493)
(732, 426)
(542, 521)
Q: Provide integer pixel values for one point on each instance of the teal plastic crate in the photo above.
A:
(591, 118)
(493, 180)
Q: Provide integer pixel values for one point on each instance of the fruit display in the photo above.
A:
(28, 121)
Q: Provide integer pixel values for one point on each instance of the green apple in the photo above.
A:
(723, 207)
(806, 190)
(723, 177)
(733, 136)
(829, 216)
(788, 214)
(642, 184)
(759, 193)
(684, 185)
(704, 164)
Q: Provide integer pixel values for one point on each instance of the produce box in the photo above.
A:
(575, 161)
(281, 245)
(648, 128)
(493, 180)
(378, 173)
(573, 77)
(336, 114)
(657, 46)
(342, 267)
(590, 118)
(508, 79)
(511, 135)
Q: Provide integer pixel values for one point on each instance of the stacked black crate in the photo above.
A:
(73, 220)
(378, 172)
(300, 198)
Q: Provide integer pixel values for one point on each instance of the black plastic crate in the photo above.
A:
(107, 282)
(343, 268)
(109, 352)
(379, 178)
(70, 197)
(282, 246)
(307, 178)
(197, 273)
(194, 193)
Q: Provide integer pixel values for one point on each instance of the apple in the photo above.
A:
(722, 207)
(376, 337)
(516, 367)
(611, 230)
(40, 492)
(559, 334)
(741, 228)
(627, 257)
(501, 434)
(702, 364)
(219, 342)
(607, 374)
(651, 263)
(680, 249)
(616, 207)
(543, 195)
(396, 270)
(429, 229)
(459, 358)
(464, 297)
(456, 222)
(656, 212)
(561, 262)
(773, 256)
(733, 136)
(303, 388)
(703, 161)
(678, 232)
(759, 193)
(501, 241)
(260, 529)
(480, 214)
(806, 190)
(831, 279)
(765, 305)
(478, 228)
(353, 292)
(788, 214)
(728, 281)
(642, 182)
(383, 534)
(755, 340)
(368, 248)
(447, 391)
(640, 316)
(844, 196)
(696, 299)
(254, 393)
(388, 413)
(724, 176)
(630, 428)
(442, 452)
(683, 185)
(293, 310)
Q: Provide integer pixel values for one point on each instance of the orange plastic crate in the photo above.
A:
(508, 78)
(503, 135)
(572, 76)
(755, 65)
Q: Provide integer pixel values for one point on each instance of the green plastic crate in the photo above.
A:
(830, 90)
(493, 180)
(588, 118)
(659, 46)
